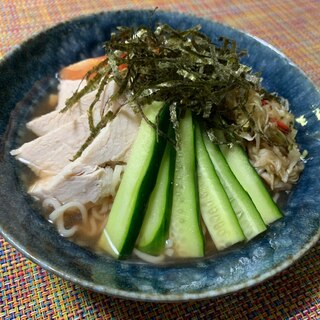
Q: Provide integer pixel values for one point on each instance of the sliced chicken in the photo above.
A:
(50, 121)
(61, 135)
(52, 152)
(111, 146)
(66, 89)
(114, 141)
(78, 183)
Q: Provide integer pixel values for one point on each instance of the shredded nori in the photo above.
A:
(185, 69)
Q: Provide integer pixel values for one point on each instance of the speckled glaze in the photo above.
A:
(37, 61)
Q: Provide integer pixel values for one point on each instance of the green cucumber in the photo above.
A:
(104, 243)
(154, 230)
(251, 182)
(127, 212)
(249, 217)
(185, 228)
(216, 209)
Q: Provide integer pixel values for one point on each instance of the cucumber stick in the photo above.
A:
(185, 229)
(251, 182)
(154, 230)
(126, 216)
(247, 214)
(216, 209)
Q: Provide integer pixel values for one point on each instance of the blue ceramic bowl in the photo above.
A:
(28, 73)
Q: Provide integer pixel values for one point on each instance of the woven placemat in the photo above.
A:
(29, 292)
(292, 25)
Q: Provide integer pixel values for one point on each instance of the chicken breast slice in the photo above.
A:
(51, 153)
(52, 120)
(83, 184)
(114, 141)
(110, 147)
(66, 89)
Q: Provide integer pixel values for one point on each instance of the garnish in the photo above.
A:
(184, 69)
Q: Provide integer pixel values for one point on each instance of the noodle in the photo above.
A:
(62, 230)
(93, 229)
(57, 215)
(54, 215)
(100, 214)
(148, 258)
(51, 202)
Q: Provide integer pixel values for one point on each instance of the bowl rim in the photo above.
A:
(175, 297)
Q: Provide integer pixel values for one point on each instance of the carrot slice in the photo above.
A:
(79, 69)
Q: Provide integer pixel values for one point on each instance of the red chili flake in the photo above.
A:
(122, 67)
(123, 55)
(281, 125)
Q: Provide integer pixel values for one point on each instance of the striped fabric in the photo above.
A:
(29, 292)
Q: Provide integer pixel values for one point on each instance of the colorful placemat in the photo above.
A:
(29, 292)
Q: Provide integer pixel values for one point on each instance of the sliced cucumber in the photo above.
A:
(247, 214)
(251, 182)
(104, 243)
(127, 212)
(216, 209)
(185, 230)
(154, 230)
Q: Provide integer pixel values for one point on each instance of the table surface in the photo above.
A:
(30, 292)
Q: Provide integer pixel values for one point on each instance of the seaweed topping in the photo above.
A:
(185, 69)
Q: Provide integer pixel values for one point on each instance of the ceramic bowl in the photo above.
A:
(28, 74)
